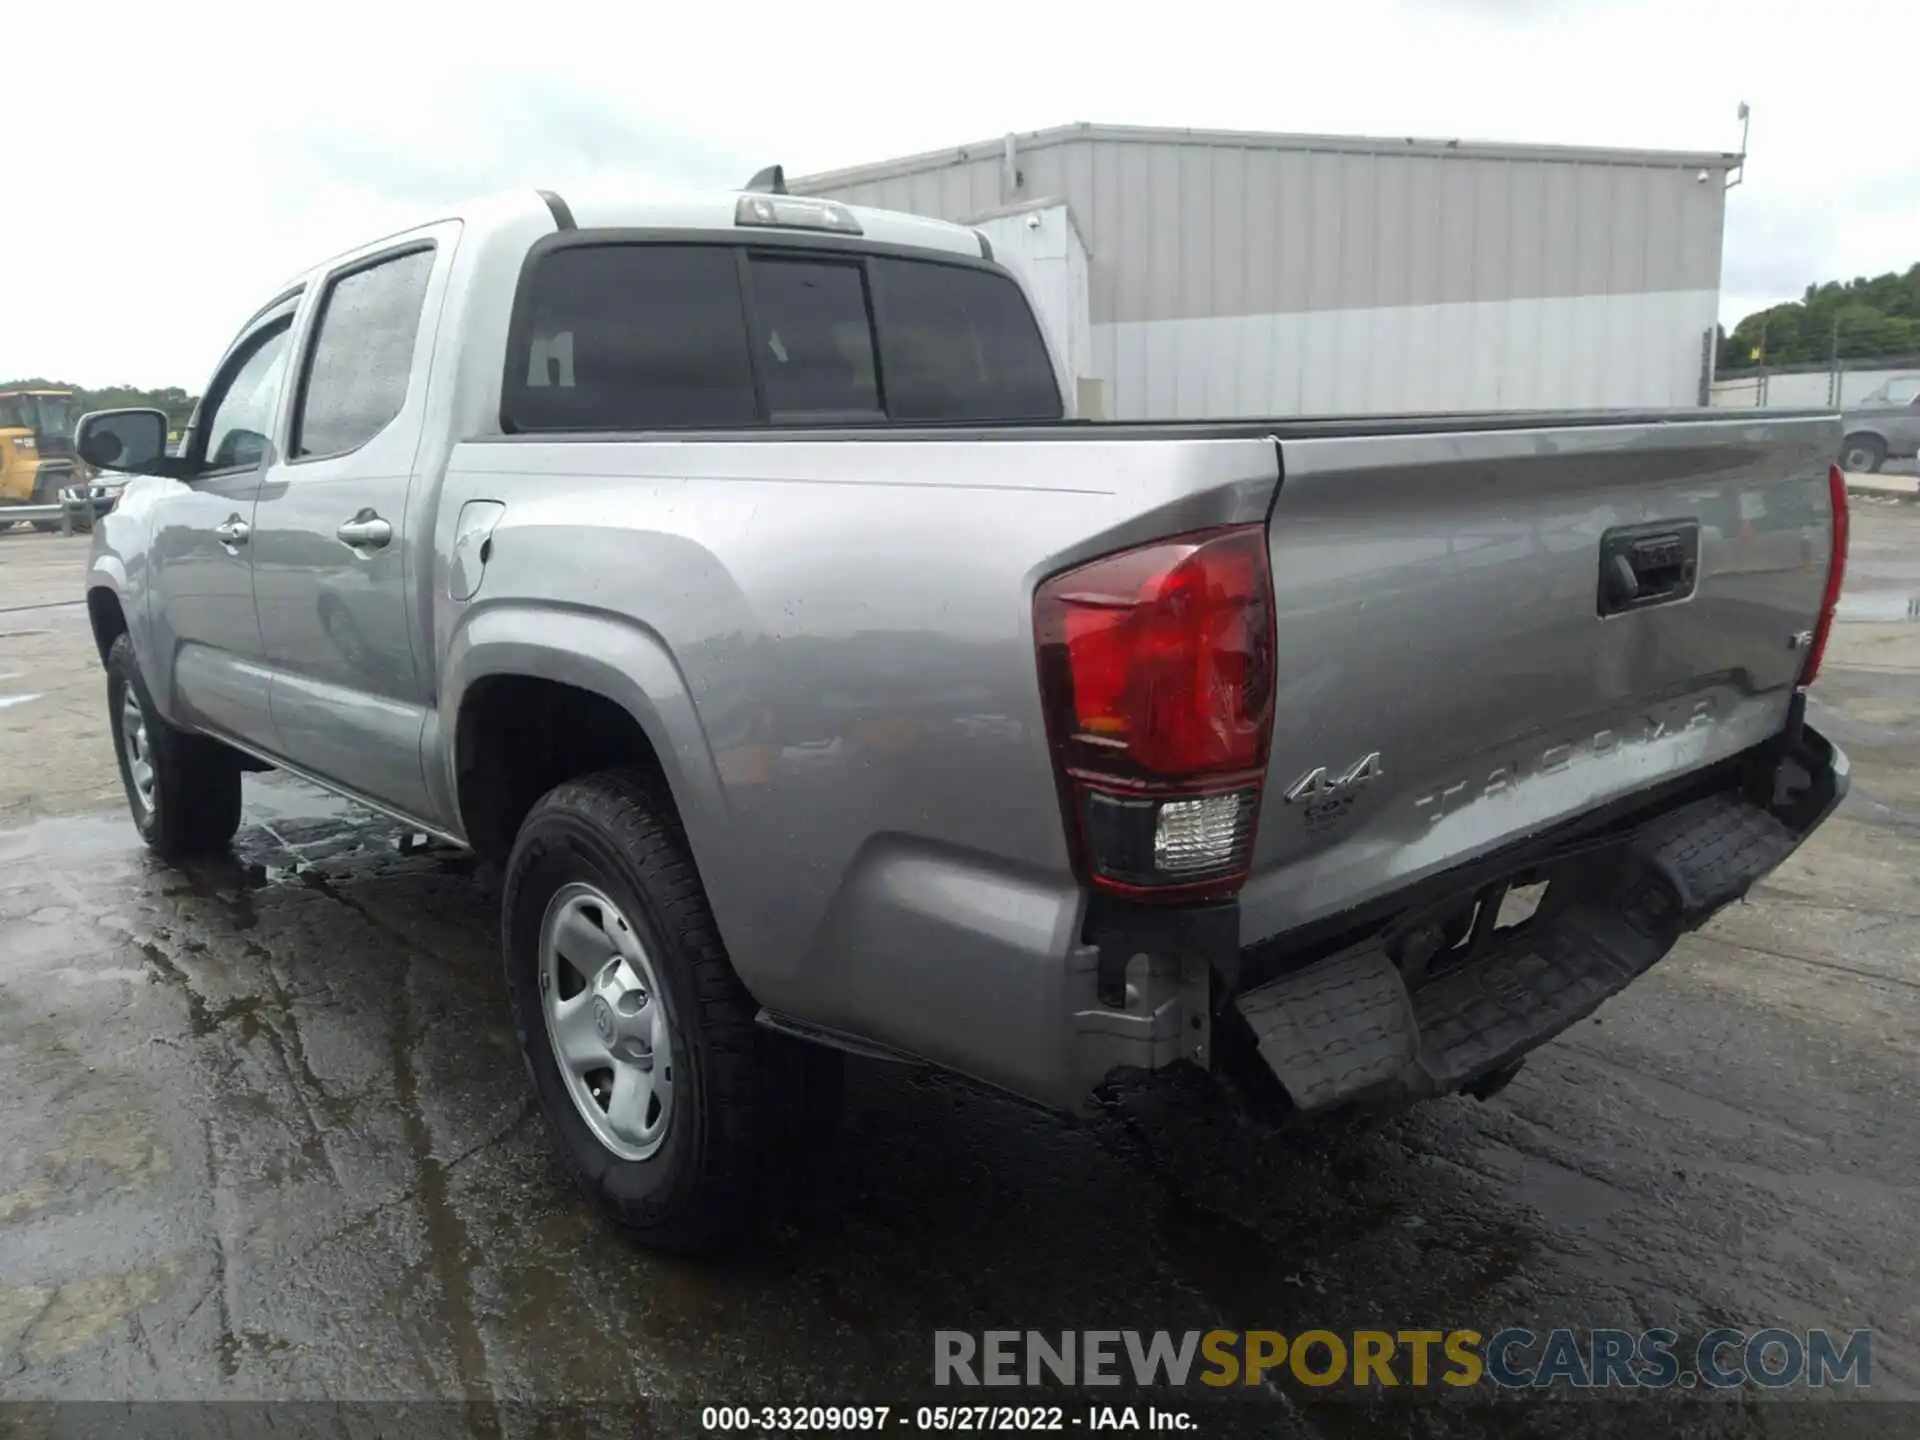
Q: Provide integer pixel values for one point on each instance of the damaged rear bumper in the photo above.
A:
(1362, 1026)
(1037, 989)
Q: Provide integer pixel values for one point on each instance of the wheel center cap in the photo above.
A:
(603, 1019)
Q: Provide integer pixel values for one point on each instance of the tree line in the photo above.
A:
(1855, 320)
(177, 403)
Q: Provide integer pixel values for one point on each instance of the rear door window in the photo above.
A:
(362, 354)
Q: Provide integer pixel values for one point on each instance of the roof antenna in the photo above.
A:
(770, 181)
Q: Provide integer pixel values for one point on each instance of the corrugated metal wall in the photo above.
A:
(1271, 278)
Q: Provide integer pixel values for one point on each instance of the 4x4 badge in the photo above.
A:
(1316, 787)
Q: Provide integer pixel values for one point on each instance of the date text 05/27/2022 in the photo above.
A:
(796, 1419)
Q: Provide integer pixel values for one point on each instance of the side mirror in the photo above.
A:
(130, 440)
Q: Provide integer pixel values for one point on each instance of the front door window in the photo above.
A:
(238, 426)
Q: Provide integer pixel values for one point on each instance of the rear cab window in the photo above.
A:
(961, 344)
(617, 335)
(815, 339)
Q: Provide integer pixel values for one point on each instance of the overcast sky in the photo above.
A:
(188, 157)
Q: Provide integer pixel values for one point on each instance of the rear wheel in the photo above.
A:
(669, 1102)
(1863, 454)
(183, 790)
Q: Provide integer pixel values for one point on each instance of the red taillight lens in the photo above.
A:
(1836, 575)
(1156, 670)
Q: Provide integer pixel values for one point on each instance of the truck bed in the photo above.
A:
(1436, 579)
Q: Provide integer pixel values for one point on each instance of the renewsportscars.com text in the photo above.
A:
(1511, 1358)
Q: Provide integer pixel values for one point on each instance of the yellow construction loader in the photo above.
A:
(37, 460)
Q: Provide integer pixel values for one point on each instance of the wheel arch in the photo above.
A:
(116, 605)
(107, 616)
(1865, 432)
(601, 690)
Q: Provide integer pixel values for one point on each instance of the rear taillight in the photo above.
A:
(1156, 671)
(1836, 575)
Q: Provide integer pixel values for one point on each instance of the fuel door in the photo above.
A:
(472, 547)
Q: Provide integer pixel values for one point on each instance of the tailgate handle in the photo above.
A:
(1643, 565)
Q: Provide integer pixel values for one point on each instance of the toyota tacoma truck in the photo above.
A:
(731, 572)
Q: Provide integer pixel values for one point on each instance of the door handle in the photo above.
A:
(366, 531)
(233, 531)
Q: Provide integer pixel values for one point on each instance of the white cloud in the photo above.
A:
(196, 154)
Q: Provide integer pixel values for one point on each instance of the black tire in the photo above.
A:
(45, 494)
(195, 805)
(1863, 454)
(742, 1095)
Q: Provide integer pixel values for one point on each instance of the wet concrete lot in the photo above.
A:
(265, 1134)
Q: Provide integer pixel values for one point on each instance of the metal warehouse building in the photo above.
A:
(1197, 273)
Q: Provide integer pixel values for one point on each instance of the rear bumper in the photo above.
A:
(1353, 1028)
(1032, 988)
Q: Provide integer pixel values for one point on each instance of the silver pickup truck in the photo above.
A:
(1882, 426)
(730, 572)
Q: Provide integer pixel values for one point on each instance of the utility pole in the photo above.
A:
(1833, 366)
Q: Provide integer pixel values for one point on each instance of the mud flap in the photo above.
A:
(1347, 1029)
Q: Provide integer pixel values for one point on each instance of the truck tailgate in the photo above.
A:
(1483, 633)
